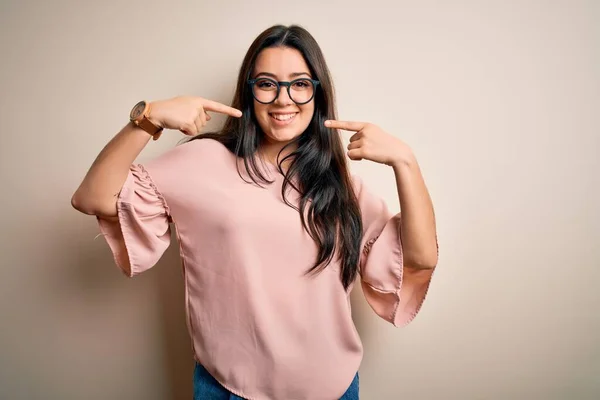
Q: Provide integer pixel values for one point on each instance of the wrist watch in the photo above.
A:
(139, 116)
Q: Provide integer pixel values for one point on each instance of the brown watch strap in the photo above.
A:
(144, 123)
(149, 127)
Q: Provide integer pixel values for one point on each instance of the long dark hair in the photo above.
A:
(328, 207)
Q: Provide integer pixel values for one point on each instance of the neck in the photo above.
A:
(269, 151)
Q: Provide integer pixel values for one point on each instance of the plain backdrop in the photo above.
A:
(500, 100)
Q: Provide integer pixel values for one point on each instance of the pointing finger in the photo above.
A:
(345, 125)
(221, 108)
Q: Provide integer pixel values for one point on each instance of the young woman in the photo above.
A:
(273, 229)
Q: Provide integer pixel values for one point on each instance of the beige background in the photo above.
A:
(499, 99)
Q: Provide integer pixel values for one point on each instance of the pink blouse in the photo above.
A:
(258, 324)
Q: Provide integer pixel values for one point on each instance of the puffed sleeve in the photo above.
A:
(140, 234)
(394, 291)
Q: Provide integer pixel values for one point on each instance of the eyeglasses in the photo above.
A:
(266, 90)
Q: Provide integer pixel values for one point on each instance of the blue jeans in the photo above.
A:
(207, 388)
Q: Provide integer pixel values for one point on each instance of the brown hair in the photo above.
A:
(318, 163)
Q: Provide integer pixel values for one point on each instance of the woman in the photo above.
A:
(272, 228)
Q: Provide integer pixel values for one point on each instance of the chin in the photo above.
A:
(278, 132)
(282, 135)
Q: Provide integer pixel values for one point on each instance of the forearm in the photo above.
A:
(419, 238)
(98, 192)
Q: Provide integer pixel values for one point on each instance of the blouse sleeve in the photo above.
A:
(394, 291)
(140, 234)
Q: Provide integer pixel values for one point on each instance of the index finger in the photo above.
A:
(345, 125)
(221, 108)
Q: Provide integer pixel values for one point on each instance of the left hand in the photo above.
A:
(370, 142)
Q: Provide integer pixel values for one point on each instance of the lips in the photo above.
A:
(282, 118)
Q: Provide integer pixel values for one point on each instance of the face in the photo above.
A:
(283, 120)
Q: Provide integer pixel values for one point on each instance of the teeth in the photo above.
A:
(283, 117)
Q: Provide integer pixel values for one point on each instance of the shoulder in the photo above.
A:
(362, 193)
(206, 145)
(357, 184)
(196, 157)
(203, 146)
(373, 208)
(192, 154)
(368, 201)
(183, 171)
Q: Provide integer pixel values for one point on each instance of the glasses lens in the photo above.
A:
(302, 90)
(265, 90)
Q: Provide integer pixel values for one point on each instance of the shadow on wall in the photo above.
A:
(179, 361)
(97, 284)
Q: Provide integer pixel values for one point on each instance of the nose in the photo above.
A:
(283, 98)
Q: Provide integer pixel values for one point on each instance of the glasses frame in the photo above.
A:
(287, 84)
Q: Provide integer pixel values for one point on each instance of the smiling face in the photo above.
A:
(283, 120)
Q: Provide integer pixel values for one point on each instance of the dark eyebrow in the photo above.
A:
(292, 75)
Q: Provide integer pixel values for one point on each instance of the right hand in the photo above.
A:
(187, 114)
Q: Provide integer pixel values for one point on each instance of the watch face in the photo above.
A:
(137, 110)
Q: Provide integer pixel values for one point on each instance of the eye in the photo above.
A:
(265, 84)
(301, 83)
